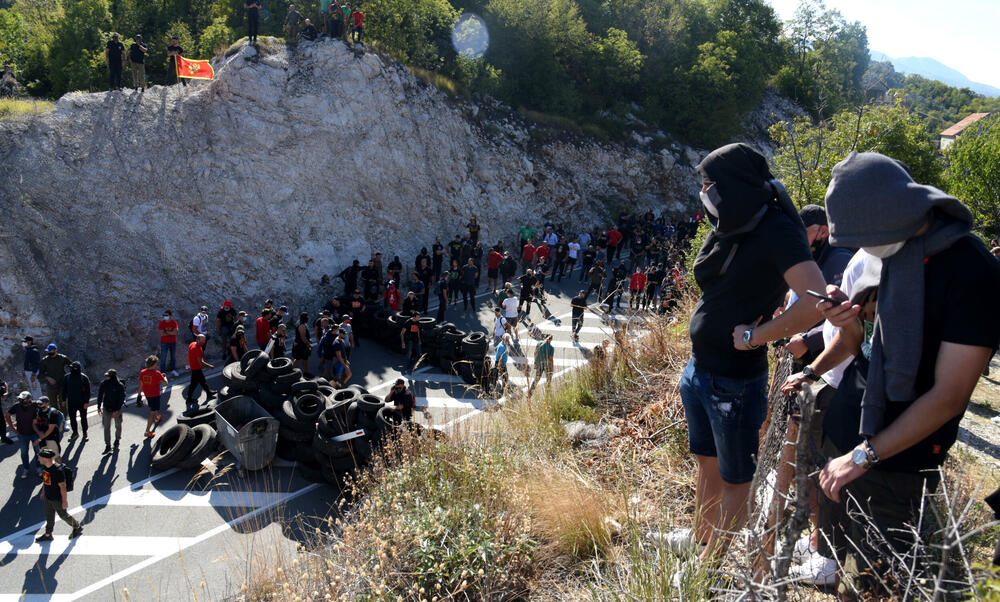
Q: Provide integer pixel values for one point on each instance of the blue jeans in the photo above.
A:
(166, 348)
(724, 417)
(25, 443)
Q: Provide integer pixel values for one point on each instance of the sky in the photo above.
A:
(962, 34)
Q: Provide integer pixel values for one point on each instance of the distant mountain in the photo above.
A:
(932, 69)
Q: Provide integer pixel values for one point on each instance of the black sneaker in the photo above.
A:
(76, 532)
(116, 443)
(43, 537)
(6, 440)
(107, 450)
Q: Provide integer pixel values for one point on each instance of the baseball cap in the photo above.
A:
(204, 308)
(23, 395)
(111, 372)
(813, 215)
(27, 339)
(283, 308)
(346, 317)
(227, 304)
(47, 453)
(52, 347)
(43, 399)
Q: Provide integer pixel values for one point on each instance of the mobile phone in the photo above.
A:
(823, 297)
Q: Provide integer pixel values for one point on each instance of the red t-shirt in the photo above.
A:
(150, 380)
(392, 298)
(359, 18)
(637, 282)
(168, 325)
(614, 237)
(263, 330)
(543, 251)
(494, 259)
(528, 253)
(195, 353)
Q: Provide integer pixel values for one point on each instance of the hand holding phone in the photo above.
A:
(823, 297)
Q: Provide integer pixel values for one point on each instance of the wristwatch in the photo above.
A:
(747, 335)
(807, 372)
(864, 455)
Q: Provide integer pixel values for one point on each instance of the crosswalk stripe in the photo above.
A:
(559, 361)
(204, 499)
(561, 344)
(96, 545)
(451, 403)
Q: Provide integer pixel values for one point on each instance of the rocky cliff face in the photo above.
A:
(266, 182)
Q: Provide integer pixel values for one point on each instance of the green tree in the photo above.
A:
(974, 172)
(417, 32)
(807, 152)
(78, 46)
(215, 37)
(13, 38)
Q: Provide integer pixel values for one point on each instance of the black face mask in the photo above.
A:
(818, 248)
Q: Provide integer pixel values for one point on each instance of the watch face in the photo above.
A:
(859, 457)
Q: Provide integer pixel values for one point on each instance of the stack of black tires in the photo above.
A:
(454, 351)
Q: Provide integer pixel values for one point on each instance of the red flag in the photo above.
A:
(194, 69)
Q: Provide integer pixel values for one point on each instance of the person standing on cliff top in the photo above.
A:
(253, 19)
(173, 51)
(114, 56)
(292, 21)
(358, 18)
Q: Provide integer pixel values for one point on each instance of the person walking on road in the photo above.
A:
(470, 273)
(544, 362)
(302, 345)
(110, 401)
(76, 392)
(225, 324)
(32, 360)
(52, 371)
(262, 328)
(500, 325)
(196, 359)
(511, 309)
(409, 338)
(579, 305)
(168, 342)
(53, 496)
(151, 384)
(21, 422)
(48, 426)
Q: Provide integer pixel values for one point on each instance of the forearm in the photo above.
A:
(794, 320)
(839, 350)
(924, 416)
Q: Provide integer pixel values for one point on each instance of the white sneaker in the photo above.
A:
(678, 541)
(174, 373)
(817, 570)
(803, 550)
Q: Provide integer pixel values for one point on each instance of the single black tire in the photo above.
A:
(172, 446)
(370, 404)
(281, 388)
(305, 386)
(228, 371)
(326, 392)
(205, 444)
(427, 322)
(289, 378)
(279, 366)
(205, 416)
(346, 396)
(319, 380)
(338, 420)
(308, 407)
(287, 434)
(248, 357)
(287, 418)
(225, 393)
(256, 366)
(447, 327)
(269, 400)
(330, 449)
(361, 390)
(243, 386)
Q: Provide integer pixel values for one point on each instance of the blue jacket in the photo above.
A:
(32, 358)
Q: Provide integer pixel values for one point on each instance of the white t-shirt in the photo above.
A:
(499, 326)
(574, 249)
(855, 267)
(200, 323)
(510, 307)
(345, 327)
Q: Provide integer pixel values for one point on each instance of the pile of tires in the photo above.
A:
(184, 446)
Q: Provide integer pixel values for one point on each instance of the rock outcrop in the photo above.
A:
(266, 182)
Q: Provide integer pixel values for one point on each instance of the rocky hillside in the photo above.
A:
(267, 181)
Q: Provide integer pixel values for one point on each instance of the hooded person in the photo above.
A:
(932, 333)
(76, 392)
(756, 251)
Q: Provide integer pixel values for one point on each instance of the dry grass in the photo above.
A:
(16, 108)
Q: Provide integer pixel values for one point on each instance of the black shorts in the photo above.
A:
(492, 273)
(300, 352)
(154, 403)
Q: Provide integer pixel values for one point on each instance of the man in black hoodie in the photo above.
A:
(757, 251)
(76, 392)
(110, 400)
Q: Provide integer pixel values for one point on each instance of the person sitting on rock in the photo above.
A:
(309, 31)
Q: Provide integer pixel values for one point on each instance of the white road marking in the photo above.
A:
(96, 545)
(181, 498)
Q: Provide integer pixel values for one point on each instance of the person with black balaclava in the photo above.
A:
(350, 277)
(755, 253)
(110, 401)
(76, 392)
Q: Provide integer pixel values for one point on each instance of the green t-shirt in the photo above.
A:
(347, 13)
(544, 355)
(527, 233)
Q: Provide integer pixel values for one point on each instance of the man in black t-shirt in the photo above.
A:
(253, 19)
(114, 56)
(225, 325)
(897, 410)
(53, 496)
(401, 401)
(174, 50)
(579, 305)
(409, 337)
(137, 60)
(527, 281)
(757, 250)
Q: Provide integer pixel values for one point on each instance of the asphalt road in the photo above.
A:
(161, 535)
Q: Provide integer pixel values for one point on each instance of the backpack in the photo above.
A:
(69, 475)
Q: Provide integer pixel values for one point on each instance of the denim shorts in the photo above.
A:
(724, 416)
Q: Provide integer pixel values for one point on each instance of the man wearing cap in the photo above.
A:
(196, 359)
(236, 346)
(46, 426)
(53, 496)
(392, 296)
(110, 401)
(32, 359)
(137, 61)
(277, 318)
(199, 324)
(76, 392)
(347, 334)
(225, 323)
(401, 401)
(168, 342)
(52, 371)
(897, 410)
(114, 56)
(21, 422)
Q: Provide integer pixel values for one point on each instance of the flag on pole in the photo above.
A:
(193, 69)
